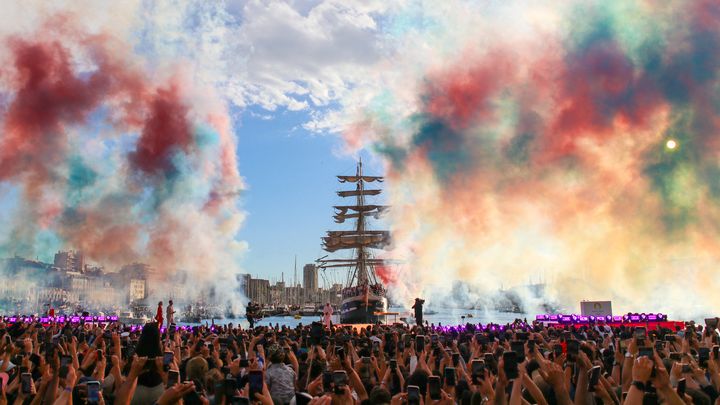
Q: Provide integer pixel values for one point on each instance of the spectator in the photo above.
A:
(149, 381)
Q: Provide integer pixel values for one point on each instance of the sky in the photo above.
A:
(291, 184)
(574, 142)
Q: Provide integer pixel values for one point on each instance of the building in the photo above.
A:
(70, 261)
(310, 282)
(134, 277)
(138, 289)
(257, 290)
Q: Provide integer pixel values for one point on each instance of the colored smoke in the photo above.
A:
(527, 144)
(128, 165)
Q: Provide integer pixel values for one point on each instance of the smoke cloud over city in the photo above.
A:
(125, 161)
(574, 144)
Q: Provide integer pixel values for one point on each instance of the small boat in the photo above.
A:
(297, 316)
(309, 310)
(127, 318)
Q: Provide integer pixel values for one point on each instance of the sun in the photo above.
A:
(671, 144)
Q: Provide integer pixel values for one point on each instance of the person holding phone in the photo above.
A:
(150, 385)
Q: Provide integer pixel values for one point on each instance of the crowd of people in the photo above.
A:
(514, 364)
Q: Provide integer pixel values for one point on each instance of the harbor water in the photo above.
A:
(444, 316)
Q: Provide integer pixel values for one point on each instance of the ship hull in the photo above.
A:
(354, 311)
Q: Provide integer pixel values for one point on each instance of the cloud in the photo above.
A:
(270, 54)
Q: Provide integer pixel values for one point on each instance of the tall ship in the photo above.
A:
(364, 298)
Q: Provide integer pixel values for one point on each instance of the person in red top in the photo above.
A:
(159, 315)
(51, 312)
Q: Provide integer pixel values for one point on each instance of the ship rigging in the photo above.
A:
(363, 297)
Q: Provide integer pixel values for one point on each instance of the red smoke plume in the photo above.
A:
(460, 96)
(166, 130)
(48, 97)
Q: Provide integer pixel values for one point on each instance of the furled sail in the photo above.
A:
(350, 193)
(333, 243)
(349, 263)
(355, 233)
(342, 209)
(355, 179)
(340, 217)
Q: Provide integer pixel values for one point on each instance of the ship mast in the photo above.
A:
(360, 239)
(362, 268)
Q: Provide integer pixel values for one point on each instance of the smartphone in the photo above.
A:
(659, 345)
(455, 359)
(167, 359)
(65, 361)
(255, 382)
(640, 334)
(593, 378)
(716, 351)
(711, 322)
(647, 352)
(419, 343)
(365, 372)
(677, 356)
(703, 356)
(450, 377)
(510, 365)
(413, 395)
(681, 388)
(489, 358)
(340, 352)
(244, 362)
(686, 368)
(478, 371)
(573, 348)
(340, 380)
(93, 393)
(192, 397)
(327, 381)
(518, 346)
(393, 364)
(26, 382)
(173, 378)
(557, 349)
(434, 387)
(531, 345)
(670, 338)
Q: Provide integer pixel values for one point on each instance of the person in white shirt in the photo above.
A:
(327, 315)
(170, 314)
